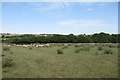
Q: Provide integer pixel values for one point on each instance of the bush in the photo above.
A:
(108, 51)
(64, 47)
(110, 45)
(2, 55)
(85, 48)
(69, 44)
(77, 50)
(100, 48)
(7, 61)
(39, 60)
(11, 52)
(59, 51)
(77, 45)
(6, 48)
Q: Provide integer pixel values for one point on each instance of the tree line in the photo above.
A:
(57, 38)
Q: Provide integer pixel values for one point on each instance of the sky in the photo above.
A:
(59, 17)
(60, 0)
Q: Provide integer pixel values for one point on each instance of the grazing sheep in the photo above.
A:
(65, 44)
(25, 46)
(6, 45)
(47, 45)
(77, 45)
(41, 45)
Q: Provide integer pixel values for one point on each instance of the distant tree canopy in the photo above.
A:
(56, 38)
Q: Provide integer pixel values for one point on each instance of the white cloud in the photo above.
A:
(90, 9)
(49, 6)
(86, 3)
(83, 23)
(87, 26)
(57, 5)
(52, 6)
(90, 5)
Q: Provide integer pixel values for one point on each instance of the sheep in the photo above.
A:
(47, 45)
(77, 45)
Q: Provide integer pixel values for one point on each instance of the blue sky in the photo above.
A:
(60, 17)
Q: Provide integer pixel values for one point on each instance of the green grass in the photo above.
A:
(46, 63)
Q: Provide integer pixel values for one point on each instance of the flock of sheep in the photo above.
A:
(38, 45)
(27, 45)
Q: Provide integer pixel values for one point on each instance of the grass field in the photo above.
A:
(47, 63)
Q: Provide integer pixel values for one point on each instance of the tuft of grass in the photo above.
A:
(112, 46)
(7, 61)
(11, 52)
(6, 48)
(2, 55)
(100, 48)
(85, 48)
(64, 47)
(77, 50)
(108, 51)
(39, 60)
(59, 51)
(77, 45)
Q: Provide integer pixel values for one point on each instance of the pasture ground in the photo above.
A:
(46, 63)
